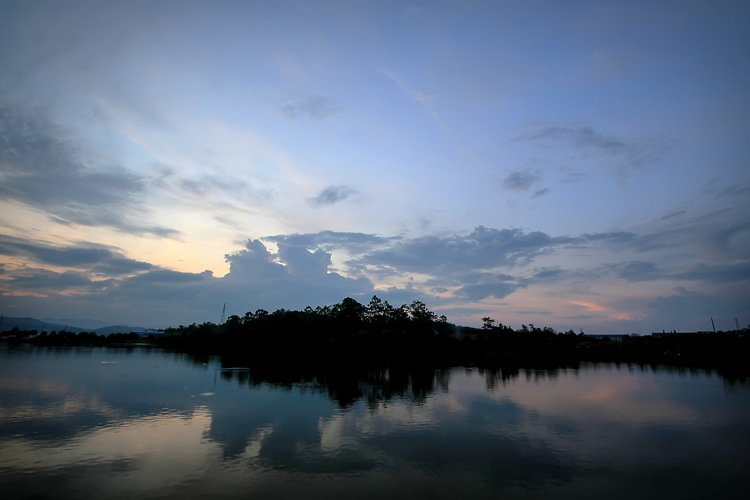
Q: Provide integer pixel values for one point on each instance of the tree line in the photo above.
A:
(378, 333)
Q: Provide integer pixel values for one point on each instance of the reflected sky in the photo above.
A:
(149, 423)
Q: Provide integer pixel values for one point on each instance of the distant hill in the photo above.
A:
(8, 323)
(106, 330)
(87, 324)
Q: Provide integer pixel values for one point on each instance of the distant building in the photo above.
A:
(663, 334)
(614, 337)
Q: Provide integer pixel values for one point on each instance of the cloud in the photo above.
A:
(690, 310)
(424, 99)
(43, 168)
(636, 271)
(291, 278)
(93, 258)
(48, 283)
(481, 291)
(484, 248)
(332, 195)
(545, 275)
(520, 180)
(330, 240)
(719, 188)
(717, 273)
(316, 106)
(427, 100)
(449, 272)
(635, 153)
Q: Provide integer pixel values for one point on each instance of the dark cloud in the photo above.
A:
(93, 258)
(637, 271)
(688, 310)
(717, 273)
(316, 106)
(484, 248)
(46, 282)
(545, 275)
(332, 195)
(723, 232)
(258, 278)
(520, 180)
(300, 273)
(43, 168)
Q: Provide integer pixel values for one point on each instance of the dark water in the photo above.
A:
(110, 423)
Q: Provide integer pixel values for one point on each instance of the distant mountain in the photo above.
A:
(8, 323)
(87, 324)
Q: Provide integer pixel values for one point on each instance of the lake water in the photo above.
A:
(145, 423)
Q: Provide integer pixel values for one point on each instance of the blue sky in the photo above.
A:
(569, 164)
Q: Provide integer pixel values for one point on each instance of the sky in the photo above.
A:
(579, 165)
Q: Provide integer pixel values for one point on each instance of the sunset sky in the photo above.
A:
(576, 164)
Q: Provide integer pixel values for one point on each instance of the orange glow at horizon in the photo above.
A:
(603, 309)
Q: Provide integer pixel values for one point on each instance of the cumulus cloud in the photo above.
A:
(451, 270)
(291, 278)
(330, 240)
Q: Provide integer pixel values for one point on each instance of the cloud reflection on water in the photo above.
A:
(151, 427)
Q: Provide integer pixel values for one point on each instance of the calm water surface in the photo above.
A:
(143, 423)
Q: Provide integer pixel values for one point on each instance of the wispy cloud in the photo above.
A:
(520, 180)
(423, 98)
(93, 258)
(636, 271)
(637, 153)
(315, 106)
(41, 167)
(332, 195)
(717, 273)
